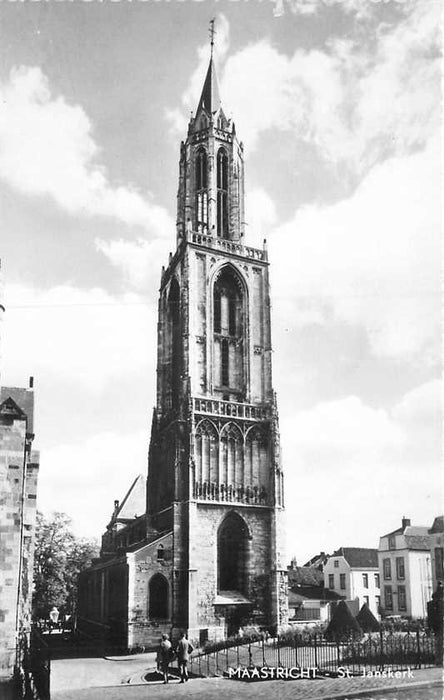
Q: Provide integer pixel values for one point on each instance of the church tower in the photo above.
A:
(214, 476)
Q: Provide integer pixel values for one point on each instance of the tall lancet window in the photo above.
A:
(228, 331)
(175, 341)
(222, 193)
(201, 178)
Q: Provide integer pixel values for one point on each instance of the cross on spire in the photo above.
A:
(212, 32)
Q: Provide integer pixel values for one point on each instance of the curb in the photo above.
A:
(379, 690)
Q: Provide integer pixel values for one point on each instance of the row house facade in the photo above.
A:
(406, 570)
(353, 573)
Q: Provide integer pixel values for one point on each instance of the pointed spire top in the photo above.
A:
(209, 99)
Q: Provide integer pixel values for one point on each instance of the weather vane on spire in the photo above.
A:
(212, 32)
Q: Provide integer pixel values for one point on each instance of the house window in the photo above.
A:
(160, 553)
(388, 597)
(342, 581)
(378, 603)
(336, 564)
(377, 584)
(402, 601)
(439, 565)
(392, 542)
(331, 580)
(367, 601)
(387, 568)
(400, 570)
(365, 580)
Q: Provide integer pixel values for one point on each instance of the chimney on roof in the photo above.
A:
(31, 382)
(405, 522)
(116, 505)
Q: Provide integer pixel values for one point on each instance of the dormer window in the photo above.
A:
(160, 553)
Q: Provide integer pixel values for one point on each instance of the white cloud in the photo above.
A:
(374, 258)
(260, 215)
(354, 470)
(140, 261)
(84, 478)
(356, 101)
(47, 148)
(83, 337)
(310, 7)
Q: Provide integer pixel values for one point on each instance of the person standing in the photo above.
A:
(183, 651)
(164, 656)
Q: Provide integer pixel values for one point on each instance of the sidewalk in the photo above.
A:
(229, 689)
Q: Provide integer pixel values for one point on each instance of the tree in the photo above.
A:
(342, 625)
(366, 620)
(59, 557)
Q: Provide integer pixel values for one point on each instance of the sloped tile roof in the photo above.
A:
(301, 593)
(438, 525)
(358, 557)
(24, 398)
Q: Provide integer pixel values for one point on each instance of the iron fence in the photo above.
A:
(397, 651)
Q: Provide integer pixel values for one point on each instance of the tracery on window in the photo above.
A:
(222, 193)
(201, 178)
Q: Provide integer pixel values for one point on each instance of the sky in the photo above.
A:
(338, 105)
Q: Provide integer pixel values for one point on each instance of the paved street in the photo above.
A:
(94, 679)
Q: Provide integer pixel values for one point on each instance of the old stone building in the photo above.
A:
(19, 466)
(211, 558)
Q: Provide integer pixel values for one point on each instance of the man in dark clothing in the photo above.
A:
(165, 655)
(183, 651)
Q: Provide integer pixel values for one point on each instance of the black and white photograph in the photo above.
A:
(221, 349)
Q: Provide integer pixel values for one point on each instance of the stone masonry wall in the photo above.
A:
(18, 482)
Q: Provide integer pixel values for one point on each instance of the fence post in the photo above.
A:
(263, 652)
(250, 656)
(418, 648)
(381, 641)
(278, 651)
(316, 649)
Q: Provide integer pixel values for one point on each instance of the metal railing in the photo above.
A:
(397, 651)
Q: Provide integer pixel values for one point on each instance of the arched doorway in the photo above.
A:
(158, 591)
(233, 554)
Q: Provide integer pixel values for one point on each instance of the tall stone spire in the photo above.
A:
(210, 98)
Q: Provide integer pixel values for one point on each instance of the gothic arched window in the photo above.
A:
(175, 339)
(228, 330)
(227, 304)
(201, 178)
(222, 193)
(158, 597)
(207, 445)
(232, 554)
(231, 456)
